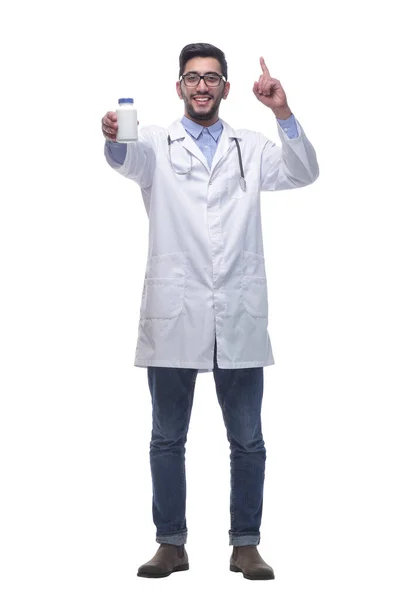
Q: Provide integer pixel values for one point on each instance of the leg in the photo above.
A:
(172, 391)
(239, 393)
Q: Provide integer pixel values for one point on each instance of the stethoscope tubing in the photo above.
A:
(242, 179)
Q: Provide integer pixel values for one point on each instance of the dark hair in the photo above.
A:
(205, 50)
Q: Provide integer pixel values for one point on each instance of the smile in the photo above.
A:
(201, 100)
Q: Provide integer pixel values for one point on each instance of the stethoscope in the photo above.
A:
(242, 181)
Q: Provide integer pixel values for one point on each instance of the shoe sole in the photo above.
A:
(156, 575)
(254, 577)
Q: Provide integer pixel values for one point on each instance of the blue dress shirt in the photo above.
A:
(206, 138)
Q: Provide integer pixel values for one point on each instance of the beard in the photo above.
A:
(199, 115)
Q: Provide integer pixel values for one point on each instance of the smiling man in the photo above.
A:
(202, 91)
(204, 303)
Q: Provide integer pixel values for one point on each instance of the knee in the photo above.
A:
(167, 440)
(246, 441)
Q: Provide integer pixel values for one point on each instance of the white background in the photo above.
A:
(75, 413)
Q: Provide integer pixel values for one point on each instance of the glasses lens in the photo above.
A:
(212, 80)
(191, 79)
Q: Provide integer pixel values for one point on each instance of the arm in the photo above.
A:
(289, 126)
(115, 153)
(136, 160)
(290, 166)
(295, 163)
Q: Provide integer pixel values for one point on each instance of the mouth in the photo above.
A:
(202, 100)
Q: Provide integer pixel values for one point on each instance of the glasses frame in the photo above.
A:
(202, 77)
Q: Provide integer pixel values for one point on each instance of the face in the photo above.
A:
(202, 102)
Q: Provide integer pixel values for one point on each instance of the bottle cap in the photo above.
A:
(125, 101)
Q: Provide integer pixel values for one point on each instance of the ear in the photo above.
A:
(226, 90)
(178, 89)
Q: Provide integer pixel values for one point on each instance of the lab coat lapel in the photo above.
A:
(225, 144)
(177, 131)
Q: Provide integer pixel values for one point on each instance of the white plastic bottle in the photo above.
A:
(127, 121)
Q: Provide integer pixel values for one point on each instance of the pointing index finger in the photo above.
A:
(264, 67)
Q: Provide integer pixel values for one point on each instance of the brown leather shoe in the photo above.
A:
(168, 559)
(247, 560)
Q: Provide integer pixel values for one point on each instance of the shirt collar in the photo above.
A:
(195, 129)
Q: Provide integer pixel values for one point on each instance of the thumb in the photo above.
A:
(255, 88)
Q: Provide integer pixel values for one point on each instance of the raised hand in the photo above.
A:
(270, 92)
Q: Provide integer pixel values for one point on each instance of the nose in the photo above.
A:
(201, 86)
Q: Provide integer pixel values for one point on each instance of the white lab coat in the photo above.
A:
(205, 273)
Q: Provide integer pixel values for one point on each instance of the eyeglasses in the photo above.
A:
(210, 79)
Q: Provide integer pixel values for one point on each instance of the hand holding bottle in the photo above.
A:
(109, 126)
(121, 126)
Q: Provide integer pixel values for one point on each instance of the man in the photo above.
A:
(204, 303)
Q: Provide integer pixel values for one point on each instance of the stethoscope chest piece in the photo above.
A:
(242, 183)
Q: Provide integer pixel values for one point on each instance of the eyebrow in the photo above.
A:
(207, 73)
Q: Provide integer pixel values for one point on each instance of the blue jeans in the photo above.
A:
(239, 393)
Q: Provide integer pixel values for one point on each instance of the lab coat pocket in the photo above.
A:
(254, 285)
(254, 295)
(162, 298)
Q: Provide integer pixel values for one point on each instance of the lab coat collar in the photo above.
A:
(176, 131)
(195, 129)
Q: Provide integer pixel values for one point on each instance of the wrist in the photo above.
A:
(283, 113)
